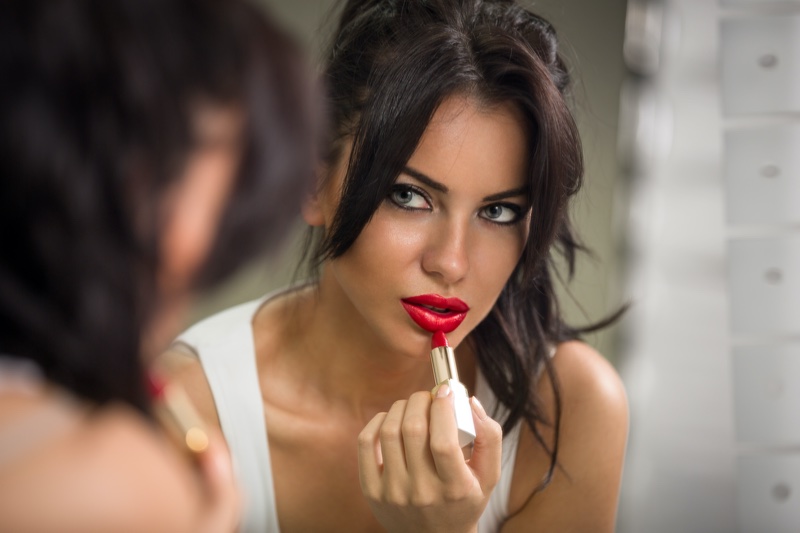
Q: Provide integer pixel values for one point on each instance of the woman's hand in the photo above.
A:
(220, 510)
(413, 472)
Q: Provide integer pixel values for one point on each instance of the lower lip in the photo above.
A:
(431, 320)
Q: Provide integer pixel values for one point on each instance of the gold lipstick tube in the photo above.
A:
(445, 372)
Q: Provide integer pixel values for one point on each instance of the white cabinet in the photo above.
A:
(767, 398)
(764, 287)
(760, 61)
(769, 493)
(762, 175)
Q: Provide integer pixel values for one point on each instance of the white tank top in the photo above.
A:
(224, 345)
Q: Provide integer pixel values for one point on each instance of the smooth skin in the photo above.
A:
(345, 373)
(111, 471)
(108, 469)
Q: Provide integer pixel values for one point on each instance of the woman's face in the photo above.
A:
(454, 225)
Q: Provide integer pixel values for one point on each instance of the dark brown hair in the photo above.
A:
(98, 99)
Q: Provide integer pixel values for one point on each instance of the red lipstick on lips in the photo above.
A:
(434, 313)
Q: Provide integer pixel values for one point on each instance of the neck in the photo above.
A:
(342, 360)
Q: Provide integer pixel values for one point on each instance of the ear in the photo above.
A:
(311, 210)
(320, 206)
(316, 205)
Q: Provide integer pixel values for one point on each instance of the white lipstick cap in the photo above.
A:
(463, 413)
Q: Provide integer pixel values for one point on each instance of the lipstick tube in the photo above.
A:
(177, 415)
(445, 372)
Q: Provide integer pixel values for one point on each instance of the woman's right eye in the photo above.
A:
(406, 197)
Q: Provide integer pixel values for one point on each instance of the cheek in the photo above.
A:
(386, 245)
(399, 233)
(505, 250)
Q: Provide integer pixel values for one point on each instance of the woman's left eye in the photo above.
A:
(501, 213)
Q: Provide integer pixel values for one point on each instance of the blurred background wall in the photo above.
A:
(688, 111)
(675, 346)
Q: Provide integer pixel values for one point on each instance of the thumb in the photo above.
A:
(487, 449)
(223, 502)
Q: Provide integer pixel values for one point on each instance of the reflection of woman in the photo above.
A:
(131, 131)
(453, 159)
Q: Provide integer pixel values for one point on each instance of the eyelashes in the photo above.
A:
(503, 213)
(411, 198)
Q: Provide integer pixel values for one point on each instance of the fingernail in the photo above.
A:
(443, 391)
(477, 406)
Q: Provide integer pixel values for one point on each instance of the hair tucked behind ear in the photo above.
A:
(97, 101)
(390, 66)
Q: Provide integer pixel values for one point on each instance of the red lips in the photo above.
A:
(447, 315)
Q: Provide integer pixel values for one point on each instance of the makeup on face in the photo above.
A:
(443, 362)
(435, 313)
(178, 417)
(498, 211)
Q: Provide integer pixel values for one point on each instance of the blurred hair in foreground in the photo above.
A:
(100, 100)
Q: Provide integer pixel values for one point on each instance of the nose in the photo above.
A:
(446, 255)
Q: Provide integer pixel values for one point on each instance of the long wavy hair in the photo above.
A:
(98, 99)
(390, 65)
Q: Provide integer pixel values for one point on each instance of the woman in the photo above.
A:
(444, 195)
(147, 147)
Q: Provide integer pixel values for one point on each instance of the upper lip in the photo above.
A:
(439, 302)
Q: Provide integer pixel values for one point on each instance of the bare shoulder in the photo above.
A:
(181, 365)
(591, 443)
(588, 382)
(111, 471)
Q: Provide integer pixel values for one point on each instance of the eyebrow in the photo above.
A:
(433, 184)
(419, 176)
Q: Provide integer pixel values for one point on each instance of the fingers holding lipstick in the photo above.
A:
(416, 437)
(221, 509)
(447, 455)
(395, 471)
(394, 451)
(487, 450)
(423, 482)
(370, 458)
